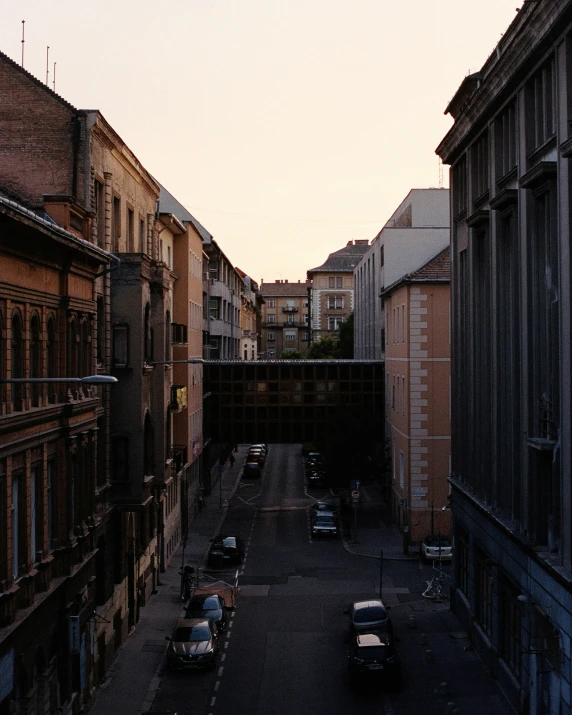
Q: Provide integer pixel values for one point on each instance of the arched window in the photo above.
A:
(35, 359)
(73, 367)
(51, 358)
(17, 361)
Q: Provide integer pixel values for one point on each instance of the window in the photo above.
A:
(116, 223)
(120, 345)
(402, 323)
(35, 359)
(214, 308)
(339, 282)
(335, 301)
(305, 318)
(167, 336)
(480, 166)
(51, 357)
(511, 625)
(16, 523)
(505, 141)
(271, 354)
(17, 362)
(332, 282)
(270, 336)
(148, 337)
(334, 323)
(271, 317)
(289, 335)
(37, 513)
(306, 336)
(98, 194)
(289, 319)
(484, 603)
(141, 236)
(459, 187)
(130, 231)
(401, 470)
(539, 99)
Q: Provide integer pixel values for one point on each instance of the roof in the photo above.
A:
(436, 270)
(168, 204)
(344, 260)
(283, 288)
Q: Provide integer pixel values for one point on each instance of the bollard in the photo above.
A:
(423, 639)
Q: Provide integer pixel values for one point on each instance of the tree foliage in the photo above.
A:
(325, 348)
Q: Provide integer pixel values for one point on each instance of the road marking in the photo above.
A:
(226, 644)
(230, 623)
(213, 701)
(223, 656)
(217, 685)
(220, 672)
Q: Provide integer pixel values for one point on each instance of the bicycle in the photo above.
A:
(435, 590)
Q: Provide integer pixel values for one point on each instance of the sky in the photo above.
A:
(286, 128)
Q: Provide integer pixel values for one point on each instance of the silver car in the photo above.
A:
(369, 617)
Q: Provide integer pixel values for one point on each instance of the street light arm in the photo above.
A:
(89, 380)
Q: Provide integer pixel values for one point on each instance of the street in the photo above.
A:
(285, 649)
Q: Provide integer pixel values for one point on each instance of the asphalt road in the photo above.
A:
(285, 650)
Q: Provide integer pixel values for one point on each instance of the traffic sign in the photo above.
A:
(355, 495)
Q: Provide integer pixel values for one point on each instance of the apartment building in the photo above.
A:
(417, 391)
(107, 481)
(249, 317)
(284, 320)
(509, 150)
(332, 294)
(415, 233)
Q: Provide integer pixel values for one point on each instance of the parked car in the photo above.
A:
(326, 505)
(314, 458)
(252, 469)
(210, 606)
(193, 645)
(374, 655)
(225, 550)
(369, 617)
(263, 447)
(316, 478)
(324, 523)
(434, 548)
(256, 455)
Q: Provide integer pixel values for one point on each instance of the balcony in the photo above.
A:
(289, 309)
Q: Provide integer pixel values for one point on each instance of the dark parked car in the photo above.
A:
(316, 478)
(324, 523)
(252, 469)
(374, 655)
(256, 455)
(193, 645)
(225, 550)
(369, 617)
(211, 606)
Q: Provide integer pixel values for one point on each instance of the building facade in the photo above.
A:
(249, 318)
(332, 294)
(416, 231)
(509, 150)
(284, 320)
(417, 391)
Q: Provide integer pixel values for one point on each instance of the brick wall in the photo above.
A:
(36, 137)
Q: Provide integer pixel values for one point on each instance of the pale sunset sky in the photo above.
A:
(287, 128)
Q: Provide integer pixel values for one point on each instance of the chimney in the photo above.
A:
(350, 243)
(286, 281)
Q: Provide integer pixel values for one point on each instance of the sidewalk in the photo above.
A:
(132, 680)
(375, 529)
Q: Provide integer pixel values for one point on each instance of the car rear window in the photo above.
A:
(434, 543)
(377, 652)
(369, 614)
(229, 542)
(324, 520)
(202, 603)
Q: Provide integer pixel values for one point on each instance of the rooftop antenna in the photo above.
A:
(55, 76)
(23, 23)
(47, 65)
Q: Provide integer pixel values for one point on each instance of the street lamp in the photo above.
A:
(89, 380)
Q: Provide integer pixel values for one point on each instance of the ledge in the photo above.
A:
(543, 171)
(504, 199)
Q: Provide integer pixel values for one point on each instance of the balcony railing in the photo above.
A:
(289, 309)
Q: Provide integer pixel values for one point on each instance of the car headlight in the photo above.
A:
(358, 661)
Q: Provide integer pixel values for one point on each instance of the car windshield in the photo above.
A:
(434, 543)
(369, 614)
(229, 542)
(191, 634)
(324, 520)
